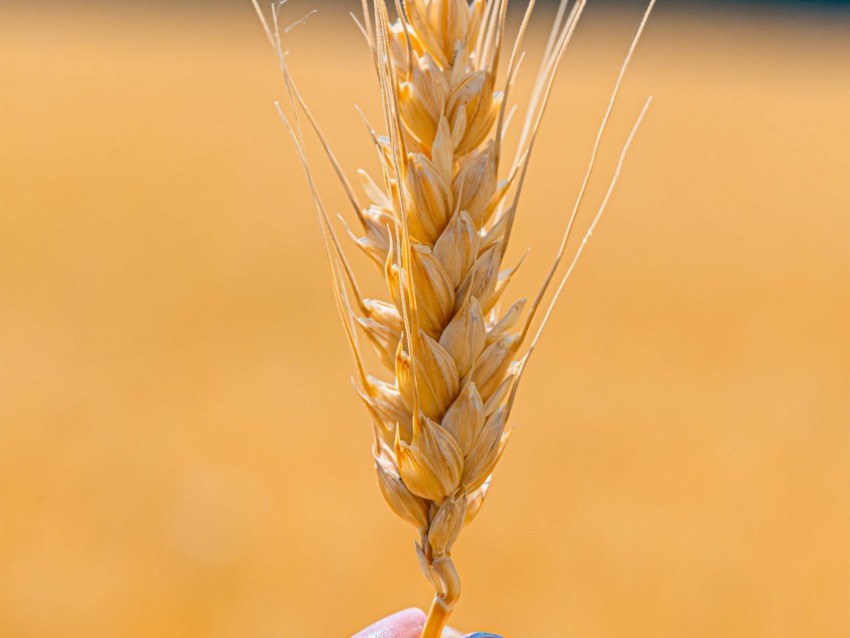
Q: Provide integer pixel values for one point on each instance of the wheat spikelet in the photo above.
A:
(437, 226)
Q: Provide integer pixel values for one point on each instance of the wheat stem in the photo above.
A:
(438, 618)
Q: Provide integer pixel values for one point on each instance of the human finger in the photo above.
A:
(403, 624)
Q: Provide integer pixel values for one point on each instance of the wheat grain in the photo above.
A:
(437, 224)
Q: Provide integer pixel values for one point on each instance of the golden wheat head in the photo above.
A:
(437, 225)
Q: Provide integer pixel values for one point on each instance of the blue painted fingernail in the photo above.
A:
(481, 634)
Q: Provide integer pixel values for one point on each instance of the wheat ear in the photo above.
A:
(437, 226)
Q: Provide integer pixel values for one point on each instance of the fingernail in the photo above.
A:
(481, 634)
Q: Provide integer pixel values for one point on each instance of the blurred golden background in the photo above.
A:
(181, 452)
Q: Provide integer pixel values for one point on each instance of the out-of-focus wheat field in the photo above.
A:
(181, 451)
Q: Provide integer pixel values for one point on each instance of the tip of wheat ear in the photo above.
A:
(437, 225)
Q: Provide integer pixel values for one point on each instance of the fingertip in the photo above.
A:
(407, 623)
(411, 613)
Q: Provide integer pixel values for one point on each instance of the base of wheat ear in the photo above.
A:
(437, 225)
